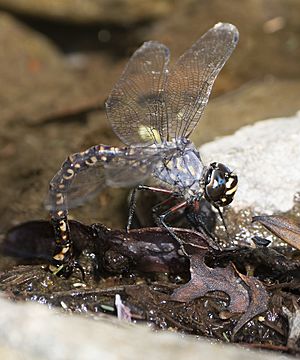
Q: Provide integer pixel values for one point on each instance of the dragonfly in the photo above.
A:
(153, 109)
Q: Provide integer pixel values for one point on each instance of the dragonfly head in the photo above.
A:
(220, 184)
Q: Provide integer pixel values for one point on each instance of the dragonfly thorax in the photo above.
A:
(183, 170)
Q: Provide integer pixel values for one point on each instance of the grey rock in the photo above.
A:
(266, 158)
(31, 331)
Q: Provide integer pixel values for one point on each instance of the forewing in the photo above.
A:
(190, 81)
(135, 107)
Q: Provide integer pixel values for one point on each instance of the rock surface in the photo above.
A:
(269, 35)
(38, 80)
(30, 331)
(265, 157)
(253, 102)
(89, 11)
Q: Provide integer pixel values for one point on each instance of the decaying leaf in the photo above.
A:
(286, 229)
(249, 296)
(259, 299)
(205, 279)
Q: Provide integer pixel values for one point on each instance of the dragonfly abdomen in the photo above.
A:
(59, 191)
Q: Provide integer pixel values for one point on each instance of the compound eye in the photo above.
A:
(220, 185)
(223, 168)
(231, 187)
(216, 185)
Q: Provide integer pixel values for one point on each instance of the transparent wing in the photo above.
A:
(135, 107)
(191, 79)
(130, 167)
(85, 186)
(133, 168)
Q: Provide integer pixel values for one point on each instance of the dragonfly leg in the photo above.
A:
(132, 206)
(64, 262)
(223, 221)
(161, 222)
(132, 202)
(156, 208)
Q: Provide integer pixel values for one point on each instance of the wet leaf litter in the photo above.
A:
(244, 295)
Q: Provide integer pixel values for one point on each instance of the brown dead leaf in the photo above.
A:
(259, 299)
(286, 229)
(205, 279)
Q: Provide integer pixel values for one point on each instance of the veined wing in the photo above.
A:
(191, 79)
(129, 167)
(136, 107)
(84, 187)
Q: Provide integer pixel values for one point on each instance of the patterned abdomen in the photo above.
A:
(70, 186)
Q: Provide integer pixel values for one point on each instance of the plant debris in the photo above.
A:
(245, 295)
(285, 228)
(258, 300)
(205, 279)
